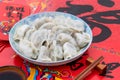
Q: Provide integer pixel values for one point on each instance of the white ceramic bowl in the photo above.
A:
(30, 19)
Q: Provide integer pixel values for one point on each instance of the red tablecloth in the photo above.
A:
(103, 16)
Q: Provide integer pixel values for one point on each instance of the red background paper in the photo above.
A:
(103, 16)
(10, 14)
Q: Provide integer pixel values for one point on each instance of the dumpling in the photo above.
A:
(63, 37)
(82, 39)
(76, 25)
(48, 25)
(69, 50)
(44, 55)
(28, 49)
(28, 33)
(40, 21)
(39, 37)
(56, 51)
(61, 29)
(20, 32)
(51, 37)
(57, 20)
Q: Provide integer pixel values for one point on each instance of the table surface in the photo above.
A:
(103, 16)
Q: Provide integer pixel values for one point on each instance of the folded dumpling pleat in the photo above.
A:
(20, 32)
(56, 51)
(28, 49)
(43, 54)
(77, 25)
(63, 37)
(82, 39)
(48, 25)
(69, 50)
(39, 36)
(40, 21)
(28, 33)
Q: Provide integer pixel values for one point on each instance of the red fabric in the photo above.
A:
(103, 16)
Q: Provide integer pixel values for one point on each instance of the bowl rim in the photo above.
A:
(54, 63)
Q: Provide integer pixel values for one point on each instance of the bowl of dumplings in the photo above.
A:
(50, 38)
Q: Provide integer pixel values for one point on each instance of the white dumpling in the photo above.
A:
(79, 25)
(76, 25)
(44, 54)
(51, 37)
(40, 21)
(63, 37)
(69, 50)
(20, 32)
(61, 29)
(82, 39)
(59, 52)
(28, 49)
(38, 37)
(28, 33)
(48, 25)
(57, 20)
(55, 31)
(56, 51)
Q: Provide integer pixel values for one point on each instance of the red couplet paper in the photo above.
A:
(10, 14)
